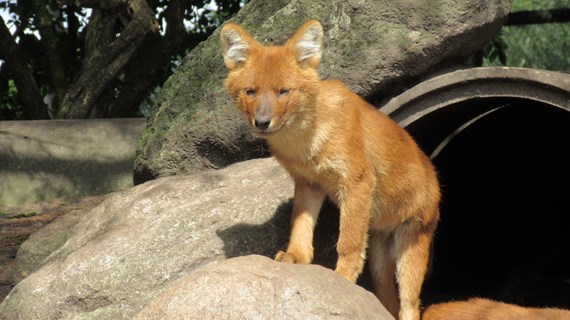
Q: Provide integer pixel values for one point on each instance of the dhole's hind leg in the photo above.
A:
(412, 242)
(382, 266)
(306, 206)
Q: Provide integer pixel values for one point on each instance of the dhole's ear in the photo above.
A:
(307, 42)
(236, 45)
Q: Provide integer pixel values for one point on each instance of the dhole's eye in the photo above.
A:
(283, 92)
(250, 92)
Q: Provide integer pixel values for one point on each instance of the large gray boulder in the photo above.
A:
(137, 242)
(256, 287)
(375, 47)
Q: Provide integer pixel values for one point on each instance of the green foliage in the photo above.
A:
(9, 105)
(26, 22)
(539, 46)
(522, 5)
(496, 51)
(69, 22)
(21, 215)
(544, 46)
(26, 215)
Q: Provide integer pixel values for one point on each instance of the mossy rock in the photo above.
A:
(375, 47)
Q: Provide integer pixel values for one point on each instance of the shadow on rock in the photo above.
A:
(268, 238)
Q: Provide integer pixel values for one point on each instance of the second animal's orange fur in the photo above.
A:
(335, 144)
(483, 309)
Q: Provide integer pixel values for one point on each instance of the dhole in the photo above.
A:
(335, 144)
(483, 309)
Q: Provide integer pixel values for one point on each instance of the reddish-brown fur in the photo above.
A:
(335, 144)
(483, 309)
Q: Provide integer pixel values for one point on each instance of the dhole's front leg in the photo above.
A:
(355, 208)
(307, 204)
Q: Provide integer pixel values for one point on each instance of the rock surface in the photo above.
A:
(48, 159)
(17, 223)
(374, 47)
(137, 242)
(256, 287)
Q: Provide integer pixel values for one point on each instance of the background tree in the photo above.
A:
(95, 58)
(107, 58)
(537, 35)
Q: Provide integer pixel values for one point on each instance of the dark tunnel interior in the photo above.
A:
(504, 231)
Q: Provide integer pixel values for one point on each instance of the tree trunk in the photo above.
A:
(155, 59)
(28, 91)
(52, 48)
(106, 58)
(538, 16)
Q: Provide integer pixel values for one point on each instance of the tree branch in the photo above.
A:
(28, 91)
(538, 16)
(72, 42)
(108, 62)
(95, 4)
(155, 59)
(52, 47)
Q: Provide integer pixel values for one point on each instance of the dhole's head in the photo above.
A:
(274, 86)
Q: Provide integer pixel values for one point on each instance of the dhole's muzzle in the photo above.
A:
(263, 114)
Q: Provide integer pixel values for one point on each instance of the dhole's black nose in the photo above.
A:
(262, 123)
(263, 113)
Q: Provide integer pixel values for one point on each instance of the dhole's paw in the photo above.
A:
(282, 256)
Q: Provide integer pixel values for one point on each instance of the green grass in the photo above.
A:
(4, 214)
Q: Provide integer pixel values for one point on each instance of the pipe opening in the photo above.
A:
(504, 232)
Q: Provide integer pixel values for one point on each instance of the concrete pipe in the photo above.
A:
(500, 139)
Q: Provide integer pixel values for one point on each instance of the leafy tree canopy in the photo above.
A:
(95, 58)
(533, 45)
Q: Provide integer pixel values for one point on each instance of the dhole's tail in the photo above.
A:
(483, 309)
